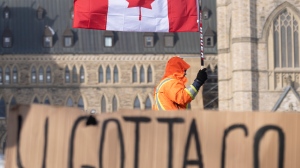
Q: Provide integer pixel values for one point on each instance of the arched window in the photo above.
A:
(1, 76)
(48, 75)
(142, 75)
(2, 108)
(100, 75)
(74, 74)
(47, 101)
(108, 79)
(114, 104)
(33, 75)
(148, 104)
(80, 103)
(41, 75)
(103, 104)
(136, 104)
(212, 75)
(36, 100)
(6, 12)
(13, 102)
(7, 75)
(70, 102)
(116, 74)
(134, 75)
(286, 40)
(81, 74)
(209, 72)
(149, 74)
(283, 50)
(67, 75)
(15, 75)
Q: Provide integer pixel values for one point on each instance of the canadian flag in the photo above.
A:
(137, 15)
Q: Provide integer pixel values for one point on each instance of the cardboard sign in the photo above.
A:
(61, 137)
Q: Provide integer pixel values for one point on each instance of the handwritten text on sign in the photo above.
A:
(45, 136)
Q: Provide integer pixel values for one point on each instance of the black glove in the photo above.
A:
(201, 76)
(200, 79)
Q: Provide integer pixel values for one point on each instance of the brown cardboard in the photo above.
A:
(197, 139)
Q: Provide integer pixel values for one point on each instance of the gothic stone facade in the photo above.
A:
(258, 53)
(125, 91)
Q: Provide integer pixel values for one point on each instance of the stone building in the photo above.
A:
(258, 55)
(44, 60)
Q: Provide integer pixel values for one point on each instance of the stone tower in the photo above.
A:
(258, 50)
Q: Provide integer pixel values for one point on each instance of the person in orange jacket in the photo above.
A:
(171, 93)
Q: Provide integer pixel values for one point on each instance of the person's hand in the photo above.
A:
(201, 76)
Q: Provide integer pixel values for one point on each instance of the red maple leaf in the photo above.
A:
(140, 3)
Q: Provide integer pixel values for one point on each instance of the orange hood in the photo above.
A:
(176, 66)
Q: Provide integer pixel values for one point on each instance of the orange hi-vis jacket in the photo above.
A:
(171, 93)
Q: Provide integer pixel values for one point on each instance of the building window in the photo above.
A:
(169, 40)
(47, 101)
(67, 75)
(41, 75)
(149, 74)
(70, 102)
(286, 38)
(210, 98)
(100, 75)
(33, 75)
(48, 75)
(209, 36)
(103, 104)
(114, 104)
(116, 74)
(142, 75)
(7, 75)
(36, 100)
(7, 42)
(13, 102)
(15, 75)
(136, 104)
(208, 41)
(134, 75)
(108, 78)
(48, 36)
(1, 76)
(149, 39)
(68, 41)
(283, 50)
(40, 13)
(74, 74)
(80, 103)
(68, 37)
(6, 13)
(206, 13)
(2, 108)
(47, 41)
(108, 39)
(81, 74)
(148, 104)
(7, 38)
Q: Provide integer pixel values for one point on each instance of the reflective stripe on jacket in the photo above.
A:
(171, 94)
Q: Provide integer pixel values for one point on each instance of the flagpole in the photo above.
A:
(199, 12)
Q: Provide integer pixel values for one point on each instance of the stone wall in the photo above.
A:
(244, 55)
(91, 90)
